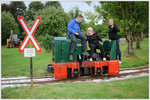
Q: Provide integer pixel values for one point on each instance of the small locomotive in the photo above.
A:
(61, 67)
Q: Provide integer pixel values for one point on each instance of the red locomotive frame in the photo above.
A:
(60, 69)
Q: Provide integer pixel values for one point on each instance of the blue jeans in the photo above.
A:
(118, 49)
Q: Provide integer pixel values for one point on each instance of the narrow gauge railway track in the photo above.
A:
(135, 68)
(45, 77)
(49, 80)
(24, 78)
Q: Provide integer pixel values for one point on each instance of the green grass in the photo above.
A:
(142, 55)
(15, 64)
(137, 88)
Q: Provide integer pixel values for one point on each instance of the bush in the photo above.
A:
(46, 42)
(8, 24)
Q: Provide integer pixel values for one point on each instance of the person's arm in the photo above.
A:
(109, 33)
(110, 30)
(99, 38)
(116, 28)
(70, 27)
(89, 38)
(86, 38)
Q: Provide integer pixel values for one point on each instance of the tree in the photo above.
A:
(8, 24)
(93, 21)
(54, 22)
(29, 15)
(33, 7)
(126, 15)
(92, 17)
(18, 8)
(52, 3)
(141, 27)
(36, 6)
(6, 7)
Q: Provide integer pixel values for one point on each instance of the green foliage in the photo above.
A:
(35, 6)
(17, 8)
(46, 42)
(92, 17)
(52, 3)
(29, 15)
(93, 22)
(88, 3)
(8, 24)
(130, 17)
(5, 7)
(54, 22)
(127, 15)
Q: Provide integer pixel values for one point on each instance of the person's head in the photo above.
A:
(79, 18)
(90, 31)
(110, 22)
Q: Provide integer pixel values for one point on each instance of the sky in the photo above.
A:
(67, 5)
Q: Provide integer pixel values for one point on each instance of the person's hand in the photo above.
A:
(112, 26)
(77, 33)
(109, 40)
(103, 40)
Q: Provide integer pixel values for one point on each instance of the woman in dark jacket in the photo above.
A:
(94, 44)
(112, 30)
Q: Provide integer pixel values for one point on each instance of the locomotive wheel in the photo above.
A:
(68, 72)
(75, 73)
(50, 69)
(92, 71)
(98, 72)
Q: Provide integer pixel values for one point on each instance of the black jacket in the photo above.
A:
(113, 32)
(93, 39)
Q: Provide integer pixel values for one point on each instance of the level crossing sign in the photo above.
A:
(29, 32)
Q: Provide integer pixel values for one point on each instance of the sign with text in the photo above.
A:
(29, 52)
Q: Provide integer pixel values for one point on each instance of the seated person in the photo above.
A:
(74, 32)
(94, 44)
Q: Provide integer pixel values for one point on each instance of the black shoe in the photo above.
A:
(85, 53)
(70, 57)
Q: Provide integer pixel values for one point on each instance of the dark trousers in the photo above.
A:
(93, 48)
(74, 42)
(118, 49)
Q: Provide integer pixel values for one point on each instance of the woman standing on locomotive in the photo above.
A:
(112, 30)
(94, 44)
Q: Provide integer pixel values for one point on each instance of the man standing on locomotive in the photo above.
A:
(112, 30)
(73, 31)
